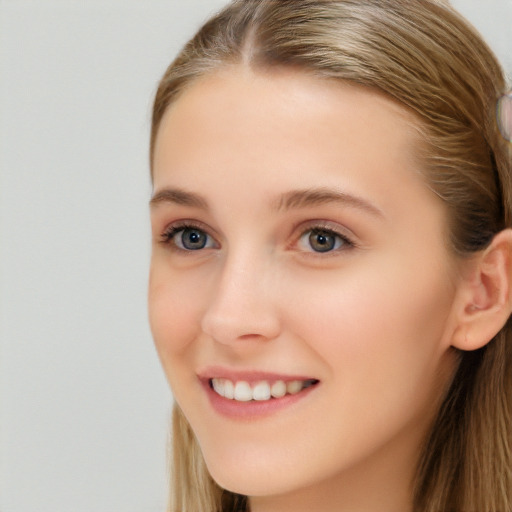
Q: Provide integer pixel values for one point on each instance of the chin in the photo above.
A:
(250, 479)
(252, 487)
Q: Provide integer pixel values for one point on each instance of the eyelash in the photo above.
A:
(169, 235)
(342, 241)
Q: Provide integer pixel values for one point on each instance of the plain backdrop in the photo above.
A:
(84, 406)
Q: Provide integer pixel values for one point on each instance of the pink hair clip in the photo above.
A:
(504, 115)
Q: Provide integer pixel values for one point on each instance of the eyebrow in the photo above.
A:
(292, 200)
(178, 196)
(296, 199)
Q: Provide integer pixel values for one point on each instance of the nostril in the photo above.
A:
(249, 337)
(240, 324)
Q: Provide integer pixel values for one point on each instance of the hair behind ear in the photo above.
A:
(476, 413)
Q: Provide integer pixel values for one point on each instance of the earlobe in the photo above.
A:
(485, 298)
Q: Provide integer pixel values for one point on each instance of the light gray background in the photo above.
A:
(84, 405)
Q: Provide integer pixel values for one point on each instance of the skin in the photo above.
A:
(372, 320)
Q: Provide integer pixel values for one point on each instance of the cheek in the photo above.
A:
(384, 326)
(174, 305)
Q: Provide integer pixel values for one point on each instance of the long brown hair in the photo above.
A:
(425, 56)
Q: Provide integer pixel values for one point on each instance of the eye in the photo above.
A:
(323, 240)
(188, 238)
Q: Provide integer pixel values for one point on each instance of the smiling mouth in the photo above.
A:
(242, 391)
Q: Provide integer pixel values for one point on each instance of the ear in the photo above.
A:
(484, 301)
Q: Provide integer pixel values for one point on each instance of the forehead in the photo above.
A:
(283, 126)
(239, 89)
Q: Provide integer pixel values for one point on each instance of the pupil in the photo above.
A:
(193, 239)
(321, 241)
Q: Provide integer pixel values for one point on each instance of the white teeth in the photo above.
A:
(229, 389)
(278, 389)
(261, 391)
(243, 392)
(218, 386)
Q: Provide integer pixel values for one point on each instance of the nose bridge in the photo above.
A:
(242, 305)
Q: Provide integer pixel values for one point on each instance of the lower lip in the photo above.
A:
(253, 409)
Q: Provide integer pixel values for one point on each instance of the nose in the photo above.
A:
(243, 303)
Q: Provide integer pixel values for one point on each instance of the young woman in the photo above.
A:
(331, 275)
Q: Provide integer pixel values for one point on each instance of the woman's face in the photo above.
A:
(298, 250)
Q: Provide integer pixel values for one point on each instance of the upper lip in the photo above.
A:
(250, 376)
